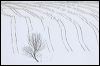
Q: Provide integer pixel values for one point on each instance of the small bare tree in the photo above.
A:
(35, 45)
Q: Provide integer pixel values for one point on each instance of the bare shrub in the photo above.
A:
(35, 45)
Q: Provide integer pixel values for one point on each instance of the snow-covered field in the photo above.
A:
(65, 32)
